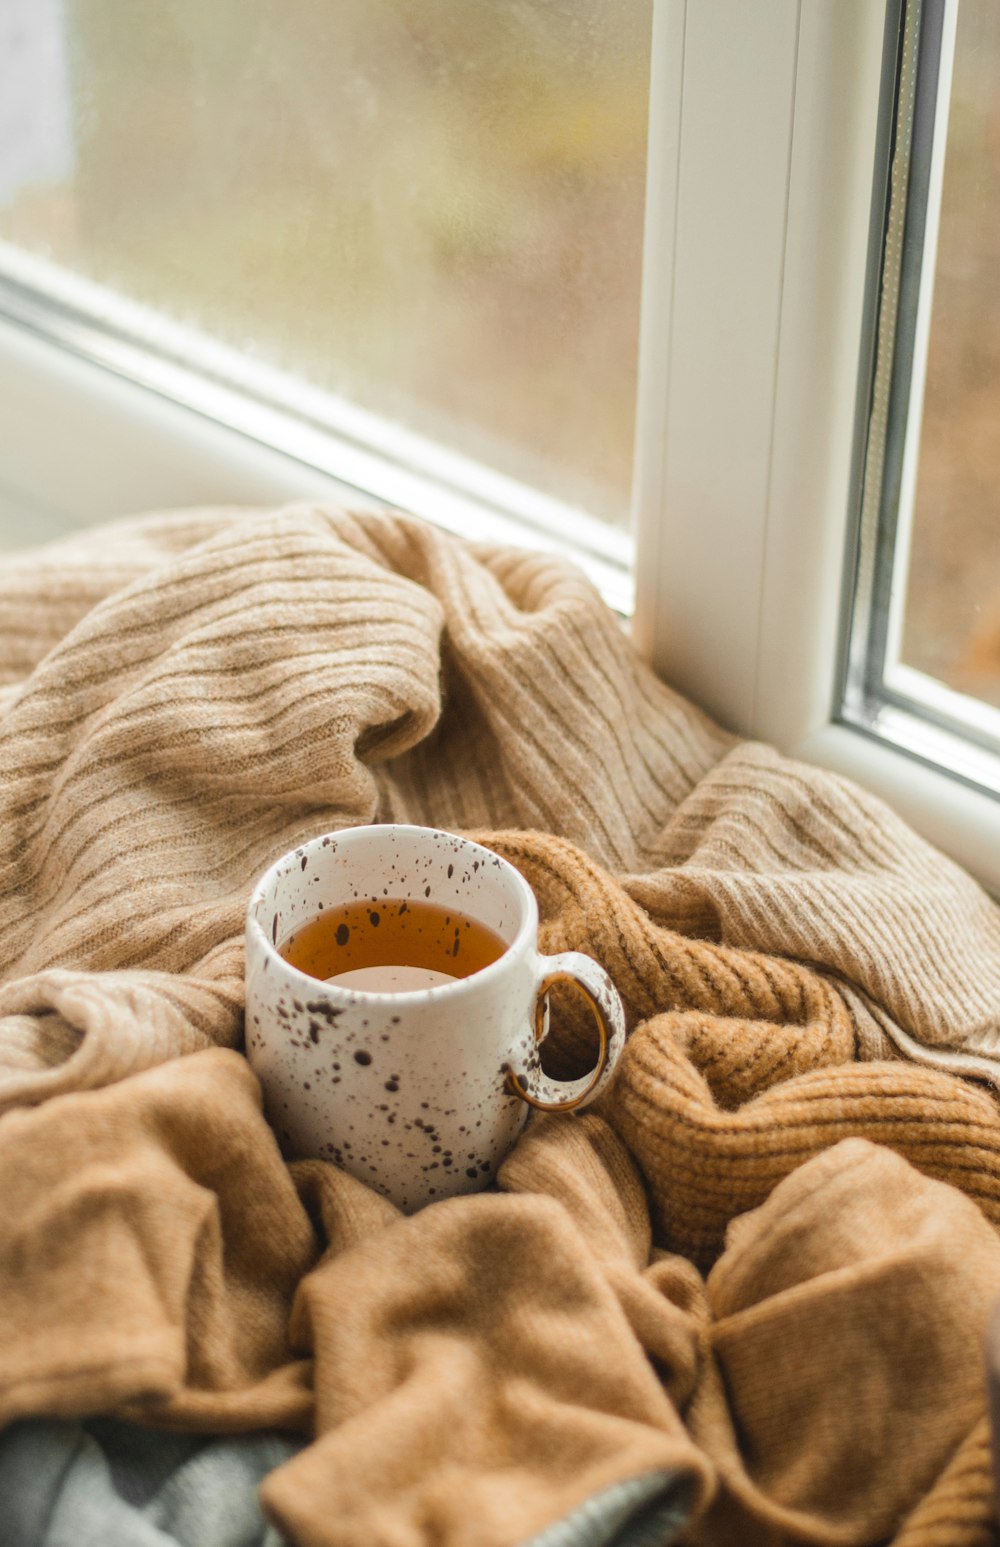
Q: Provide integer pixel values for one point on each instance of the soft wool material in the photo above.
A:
(189, 696)
(110, 1484)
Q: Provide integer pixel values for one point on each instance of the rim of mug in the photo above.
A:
(526, 932)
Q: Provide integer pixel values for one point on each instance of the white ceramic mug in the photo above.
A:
(420, 1093)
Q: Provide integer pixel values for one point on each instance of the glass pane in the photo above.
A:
(952, 620)
(432, 208)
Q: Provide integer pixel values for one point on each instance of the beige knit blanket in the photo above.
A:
(765, 1266)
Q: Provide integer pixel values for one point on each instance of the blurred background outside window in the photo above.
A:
(951, 624)
(432, 210)
(924, 661)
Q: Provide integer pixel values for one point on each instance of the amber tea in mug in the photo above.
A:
(395, 1003)
(392, 945)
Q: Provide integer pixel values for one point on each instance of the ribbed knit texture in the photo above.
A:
(961, 1510)
(185, 697)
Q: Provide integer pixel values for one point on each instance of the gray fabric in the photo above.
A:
(647, 1511)
(107, 1484)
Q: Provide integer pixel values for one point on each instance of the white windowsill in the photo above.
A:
(744, 457)
(135, 428)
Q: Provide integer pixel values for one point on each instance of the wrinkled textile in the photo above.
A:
(108, 1484)
(749, 1292)
(185, 698)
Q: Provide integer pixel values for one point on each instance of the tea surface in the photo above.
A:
(392, 945)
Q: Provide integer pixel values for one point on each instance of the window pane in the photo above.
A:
(431, 208)
(923, 663)
(952, 624)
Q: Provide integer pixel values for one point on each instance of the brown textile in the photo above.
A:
(854, 1364)
(189, 696)
(184, 698)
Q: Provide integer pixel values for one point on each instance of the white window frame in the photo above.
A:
(758, 309)
(765, 115)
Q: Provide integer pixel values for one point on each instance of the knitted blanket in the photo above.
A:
(744, 1299)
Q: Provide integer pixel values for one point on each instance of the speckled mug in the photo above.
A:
(420, 1094)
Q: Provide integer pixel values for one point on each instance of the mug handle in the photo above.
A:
(536, 1087)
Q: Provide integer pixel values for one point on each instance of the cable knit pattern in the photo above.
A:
(808, 987)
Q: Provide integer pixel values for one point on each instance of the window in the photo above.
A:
(417, 226)
(924, 663)
(761, 335)
(764, 248)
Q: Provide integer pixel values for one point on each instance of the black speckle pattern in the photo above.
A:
(408, 1092)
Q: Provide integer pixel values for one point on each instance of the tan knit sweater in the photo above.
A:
(185, 697)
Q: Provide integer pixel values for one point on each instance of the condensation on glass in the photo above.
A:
(923, 658)
(430, 208)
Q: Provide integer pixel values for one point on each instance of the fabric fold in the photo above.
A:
(151, 1241)
(200, 693)
(712, 1304)
(455, 1405)
(108, 1484)
(848, 1316)
(705, 1162)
